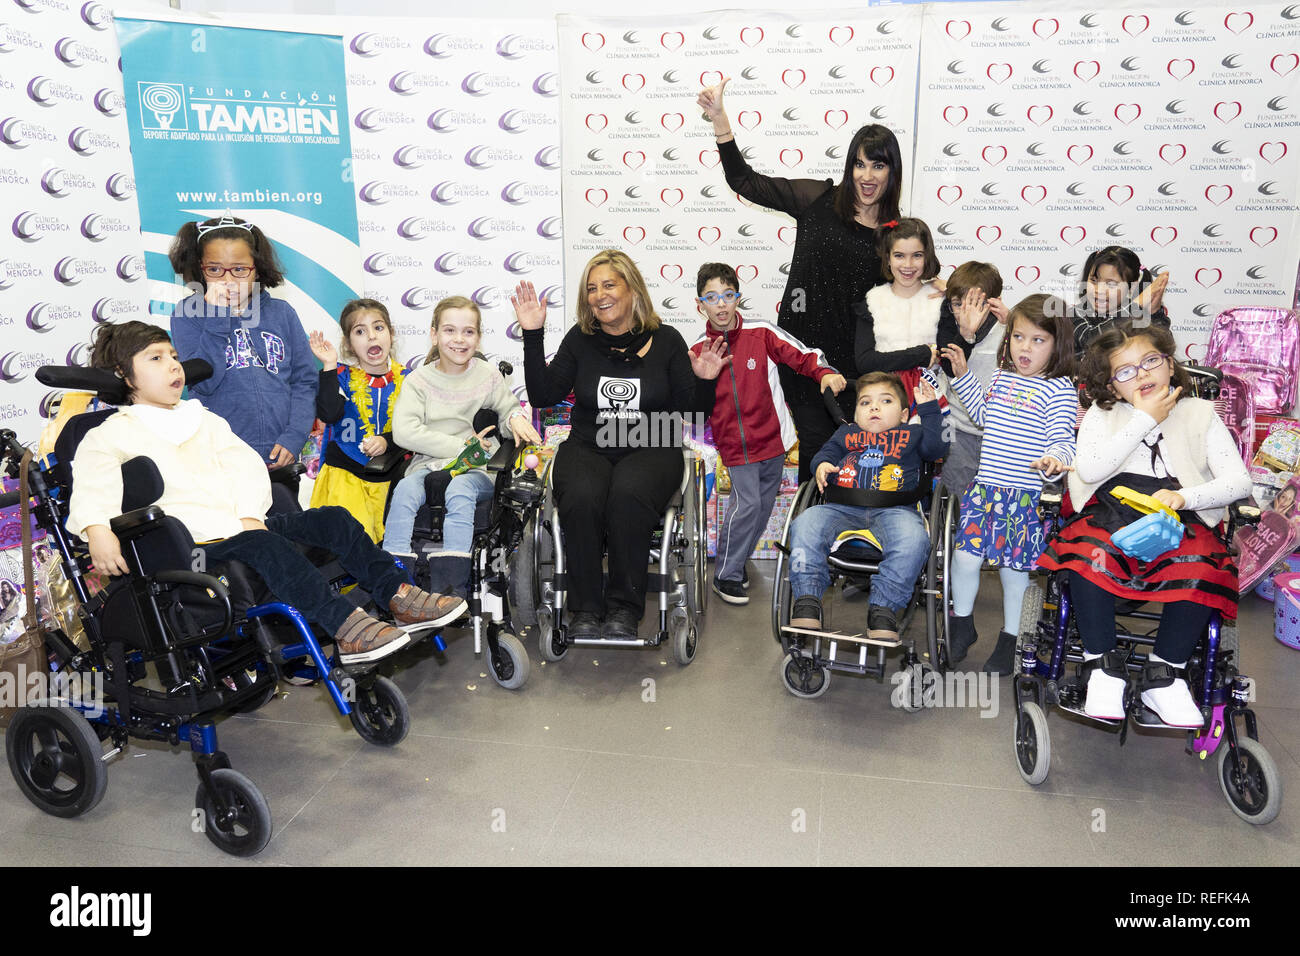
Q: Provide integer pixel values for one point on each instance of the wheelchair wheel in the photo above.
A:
(1031, 611)
(936, 579)
(1033, 743)
(910, 689)
(685, 636)
(511, 670)
(1250, 780)
(380, 714)
(245, 828)
(548, 637)
(803, 678)
(56, 759)
(532, 564)
(781, 599)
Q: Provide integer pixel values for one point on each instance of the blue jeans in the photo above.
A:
(902, 535)
(464, 492)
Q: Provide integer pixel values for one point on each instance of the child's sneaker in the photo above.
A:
(744, 578)
(733, 592)
(807, 613)
(412, 607)
(882, 624)
(362, 639)
(1169, 696)
(1105, 699)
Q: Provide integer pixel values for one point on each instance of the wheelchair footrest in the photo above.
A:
(839, 636)
(1079, 711)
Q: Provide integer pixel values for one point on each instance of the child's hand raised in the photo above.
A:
(970, 312)
(924, 392)
(824, 471)
(529, 310)
(1159, 403)
(835, 383)
(999, 310)
(713, 358)
(956, 358)
(324, 350)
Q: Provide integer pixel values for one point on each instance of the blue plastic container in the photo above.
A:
(1149, 537)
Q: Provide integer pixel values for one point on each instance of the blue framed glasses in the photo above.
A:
(713, 298)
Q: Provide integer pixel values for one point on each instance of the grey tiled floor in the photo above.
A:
(723, 766)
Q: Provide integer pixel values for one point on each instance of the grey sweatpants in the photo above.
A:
(753, 492)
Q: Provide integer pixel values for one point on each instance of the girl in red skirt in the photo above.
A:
(1145, 432)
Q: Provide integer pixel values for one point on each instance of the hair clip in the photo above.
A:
(889, 225)
(225, 222)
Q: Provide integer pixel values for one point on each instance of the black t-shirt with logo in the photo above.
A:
(615, 403)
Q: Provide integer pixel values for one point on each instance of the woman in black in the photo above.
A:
(631, 378)
(835, 259)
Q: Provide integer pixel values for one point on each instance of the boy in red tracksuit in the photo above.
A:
(751, 425)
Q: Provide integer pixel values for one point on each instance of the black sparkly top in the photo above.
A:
(833, 264)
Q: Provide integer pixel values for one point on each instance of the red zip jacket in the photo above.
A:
(750, 421)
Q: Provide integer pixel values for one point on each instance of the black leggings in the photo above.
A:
(1181, 622)
(617, 502)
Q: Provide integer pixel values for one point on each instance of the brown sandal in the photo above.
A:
(411, 606)
(363, 639)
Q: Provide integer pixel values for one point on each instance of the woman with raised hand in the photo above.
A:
(835, 260)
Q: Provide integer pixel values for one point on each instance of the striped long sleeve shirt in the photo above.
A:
(1023, 419)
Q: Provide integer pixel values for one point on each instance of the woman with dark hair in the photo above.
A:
(1114, 288)
(835, 258)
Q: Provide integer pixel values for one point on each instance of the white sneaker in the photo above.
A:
(1105, 696)
(1174, 705)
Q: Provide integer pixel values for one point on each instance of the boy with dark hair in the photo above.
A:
(217, 486)
(752, 428)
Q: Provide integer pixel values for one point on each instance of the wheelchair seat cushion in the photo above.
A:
(857, 546)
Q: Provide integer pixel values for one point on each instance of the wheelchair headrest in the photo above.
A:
(107, 386)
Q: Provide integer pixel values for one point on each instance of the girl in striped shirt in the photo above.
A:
(1028, 412)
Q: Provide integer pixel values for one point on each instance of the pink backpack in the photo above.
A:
(1260, 346)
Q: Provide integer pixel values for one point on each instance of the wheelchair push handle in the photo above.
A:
(832, 402)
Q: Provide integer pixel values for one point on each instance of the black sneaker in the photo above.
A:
(620, 624)
(882, 624)
(744, 578)
(806, 613)
(583, 625)
(733, 592)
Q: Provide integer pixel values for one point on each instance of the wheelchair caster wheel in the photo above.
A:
(803, 678)
(510, 669)
(685, 637)
(909, 691)
(380, 714)
(1250, 780)
(1033, 743)
(56, 759)
(243, 828)
(549, 640)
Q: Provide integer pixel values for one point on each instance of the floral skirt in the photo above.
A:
(1001, 524)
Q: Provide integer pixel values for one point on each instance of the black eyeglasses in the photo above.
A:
(1126, 373)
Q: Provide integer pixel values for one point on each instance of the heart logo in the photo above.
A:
(1173, 153)
(954, 115)
(1027, 275)
(748, 273)
(1288, 60)
(709, 234)
(994, 154)
(1225, 192)
(988, 234)
(1180, 69)
(1139, 24)
(754, 118)
(1087, 70)
(949, 190)
(710, 78)
(791, 157)
(672, 40)
(593, 41)
(1163, 235)
(1119, 195)
(999, 72)
(786, 234)
(793, 78)
(709, 158)
(957, 29)
(840, 35)
(632, 82)
(596, 197)
(881, 75)
(1073, 235)
(1227, 112)
(633, 234)
(634, 159)
(1127, 112)
(1207, 281)
(1043, 111)
(836, 118)
(1041, 28)
(1236, 22)
(1084, 151)
(1033, 194)
(1270, 231)
(671, 197)
(1272, 152)
(597, 122)
(672, 273)
(672, 121)
(751, 36)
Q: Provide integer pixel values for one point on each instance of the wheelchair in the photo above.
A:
(174, 647)
(810, 658)
(678, 550)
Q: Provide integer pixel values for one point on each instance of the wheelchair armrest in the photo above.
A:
(1241, 514)
(382, 463)
(288, 474)
(503, 458)
(134, 520)
(208, 583)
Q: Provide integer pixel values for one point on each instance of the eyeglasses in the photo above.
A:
(216, 272)
(713, 298)
(1126, 373)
